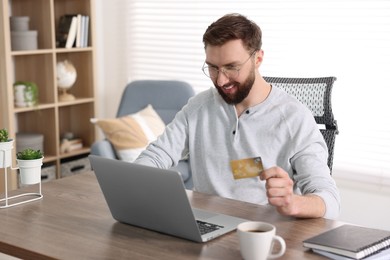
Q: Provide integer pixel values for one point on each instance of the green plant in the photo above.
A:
(3, 135)
(31, 91)
(29, 154)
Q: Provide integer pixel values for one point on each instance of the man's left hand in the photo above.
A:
(279, 188)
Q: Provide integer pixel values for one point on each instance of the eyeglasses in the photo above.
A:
(230, 71)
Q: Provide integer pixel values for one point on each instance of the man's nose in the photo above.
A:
(222, 79)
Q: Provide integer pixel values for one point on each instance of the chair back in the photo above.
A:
(166, 96)
(315, 93)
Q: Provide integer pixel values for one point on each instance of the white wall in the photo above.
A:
(110, 79)
(363, 202)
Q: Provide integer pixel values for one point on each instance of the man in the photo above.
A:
(245, 117)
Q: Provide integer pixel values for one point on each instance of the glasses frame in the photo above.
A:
(224, 70)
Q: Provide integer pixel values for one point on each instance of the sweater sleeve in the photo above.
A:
(170, 147)
(311, 173)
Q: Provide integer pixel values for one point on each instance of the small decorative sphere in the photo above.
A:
(66, 74)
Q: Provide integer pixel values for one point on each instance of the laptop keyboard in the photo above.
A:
(205, 227)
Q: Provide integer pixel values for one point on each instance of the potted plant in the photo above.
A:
(6, 145)
(26, 94)
(29, 163)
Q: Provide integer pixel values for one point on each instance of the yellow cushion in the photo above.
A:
(131, 134)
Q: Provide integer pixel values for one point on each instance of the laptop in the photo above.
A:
(156, 199)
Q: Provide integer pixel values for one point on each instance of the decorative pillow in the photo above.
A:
(131, 134)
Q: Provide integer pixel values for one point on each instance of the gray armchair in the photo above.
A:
(166, 97)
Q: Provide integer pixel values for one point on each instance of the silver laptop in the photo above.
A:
(156, 199)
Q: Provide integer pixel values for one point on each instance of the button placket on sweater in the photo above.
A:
(237, 125)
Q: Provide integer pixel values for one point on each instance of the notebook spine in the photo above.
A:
(373, 249)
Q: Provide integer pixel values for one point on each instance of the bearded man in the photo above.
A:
(245, 121)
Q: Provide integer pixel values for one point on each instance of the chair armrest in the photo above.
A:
(103, 148)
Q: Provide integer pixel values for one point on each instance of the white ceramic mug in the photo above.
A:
(257, 241)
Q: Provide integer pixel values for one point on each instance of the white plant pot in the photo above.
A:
(5, 153)
(23, 97)
(30, 170)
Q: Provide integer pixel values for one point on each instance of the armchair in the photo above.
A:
(166, 97)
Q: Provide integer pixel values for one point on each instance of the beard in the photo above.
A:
(242, 91)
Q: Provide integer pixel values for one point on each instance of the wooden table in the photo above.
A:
(72, 221)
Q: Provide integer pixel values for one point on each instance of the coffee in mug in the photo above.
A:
(257, 241)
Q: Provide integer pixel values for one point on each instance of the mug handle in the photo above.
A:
(280, 240)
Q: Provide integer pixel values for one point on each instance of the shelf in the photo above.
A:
(49, 51)
(84, 150)
(76, 102)
(50, 118)
(64, 50)
(49, 158)
(34, 108)
(32, 52)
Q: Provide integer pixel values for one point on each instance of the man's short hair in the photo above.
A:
(233, 27)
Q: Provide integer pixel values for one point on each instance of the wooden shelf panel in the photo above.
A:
(31, 52)
(49, 158)
(76, 102)
(84, 150)
(49, 51)
(62, 7)
(65, 50)
(34, 108)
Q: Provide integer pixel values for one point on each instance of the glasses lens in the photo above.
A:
(205, 70)
(231, 73)
(209, 72)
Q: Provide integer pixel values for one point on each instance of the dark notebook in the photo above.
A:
(351, 241)
(63, 29)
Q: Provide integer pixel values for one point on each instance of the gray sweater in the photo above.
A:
(280, 130)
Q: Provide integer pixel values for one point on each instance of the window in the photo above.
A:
(347, 39)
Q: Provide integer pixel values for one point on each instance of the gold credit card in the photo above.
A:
(246, 168)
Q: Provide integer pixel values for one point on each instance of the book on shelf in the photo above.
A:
(355, 242)
(86, 31)
(79, 30)
(72, 31)
(64, 24)
(83, 35)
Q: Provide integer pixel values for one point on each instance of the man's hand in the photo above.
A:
(280, 194)
(279, 188)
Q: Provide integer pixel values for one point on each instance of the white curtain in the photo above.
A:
(344, 38)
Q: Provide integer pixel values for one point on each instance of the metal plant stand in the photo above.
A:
(6, 202)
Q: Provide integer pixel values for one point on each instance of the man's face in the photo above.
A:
(233, 69)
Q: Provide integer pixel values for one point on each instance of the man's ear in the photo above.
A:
(259, 58)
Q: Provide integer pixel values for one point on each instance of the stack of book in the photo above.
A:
(348, 241)
(69, 145)
(73, 31)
